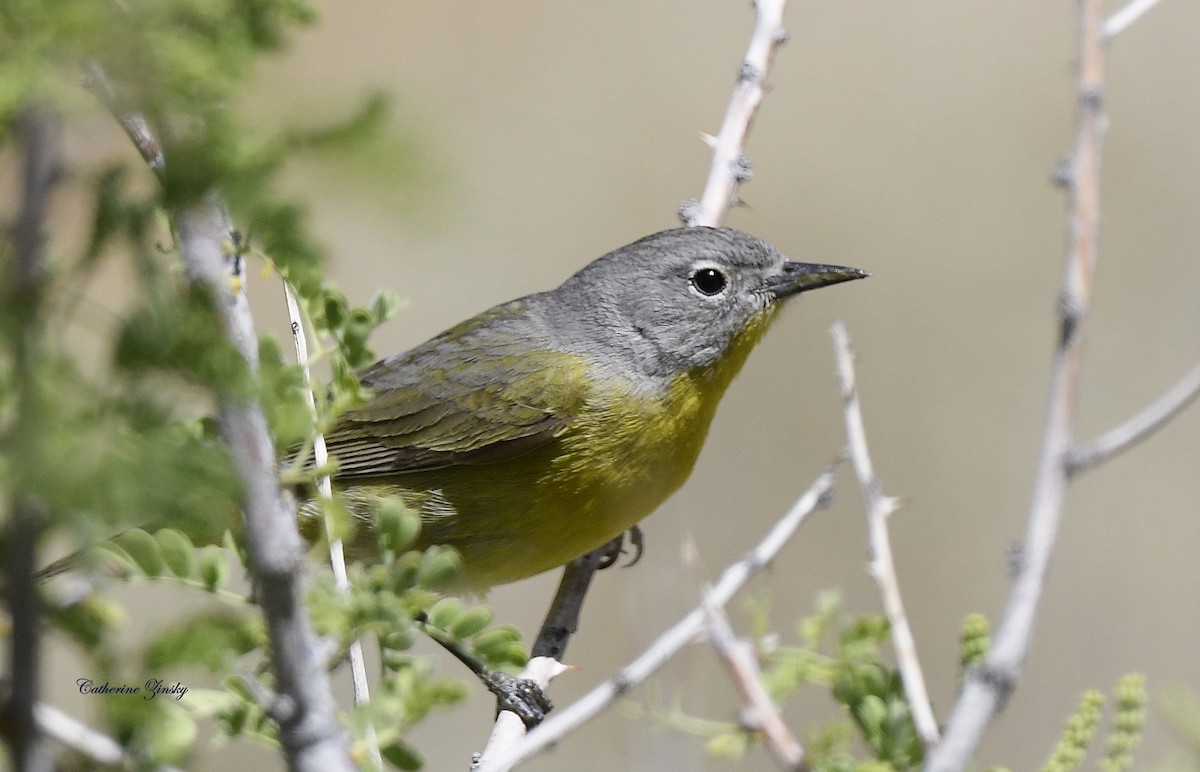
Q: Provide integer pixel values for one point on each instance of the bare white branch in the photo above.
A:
(729, 164)
(1117, 23)
(667, 645)
(882, 568)
(762, 714)
(337, 558)
(72, 733)
(1152, 418)
(986, 687)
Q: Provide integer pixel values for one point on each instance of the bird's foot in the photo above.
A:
(616, 548)
(521, 696)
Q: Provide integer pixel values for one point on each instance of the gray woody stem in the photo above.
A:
(986, 687)
(37, 130)
(304, 708)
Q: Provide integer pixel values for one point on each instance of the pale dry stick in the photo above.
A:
(881, 566)
(1122, 19)
(730, 166)
(337, 557)
(97, 747)
(761, 713)
(1157, 414)
(987, 686)
(667, 645)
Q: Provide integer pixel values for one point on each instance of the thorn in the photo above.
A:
(741, 170)
(709, 140)
(1063, 171)
(689, 212)
(748, 73)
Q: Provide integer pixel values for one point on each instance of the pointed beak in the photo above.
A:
(795, 278)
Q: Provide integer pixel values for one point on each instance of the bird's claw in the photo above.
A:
(521, 696)
(616, 548)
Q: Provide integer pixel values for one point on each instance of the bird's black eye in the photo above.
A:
(708, 281)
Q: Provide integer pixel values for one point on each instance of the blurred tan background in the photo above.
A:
(915, 140)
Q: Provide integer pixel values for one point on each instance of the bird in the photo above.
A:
(540, 429)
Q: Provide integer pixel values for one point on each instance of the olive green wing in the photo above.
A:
(487, 390)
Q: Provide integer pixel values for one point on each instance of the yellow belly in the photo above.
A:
(614, 464)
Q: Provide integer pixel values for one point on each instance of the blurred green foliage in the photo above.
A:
(129, 446)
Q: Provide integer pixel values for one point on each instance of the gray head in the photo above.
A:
(680, 300)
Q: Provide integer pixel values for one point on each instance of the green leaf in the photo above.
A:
(214, 567)
(143, 549)
(398, 525)
(384, 306)
(439, 567)
(871, 714)
(493, 644)
(445, 613)
(213, 640)
(334, 308)
(178, 552)
(471, 622)
(402, 755)
(112, 559)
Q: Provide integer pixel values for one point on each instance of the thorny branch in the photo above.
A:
(986, 687)
(882, 568)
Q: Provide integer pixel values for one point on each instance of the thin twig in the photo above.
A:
(761, 713)
(1153, 417)
(132, 121)
(986, 688)
(730, 167)
(37, 130)
(882, 568)
(1117, 23)
(337, 557)
(667, 645)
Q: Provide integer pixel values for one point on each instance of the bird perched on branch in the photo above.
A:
(542, 428)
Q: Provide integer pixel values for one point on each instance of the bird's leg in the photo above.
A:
(562, 619)
(521, 695)
(518, 695)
